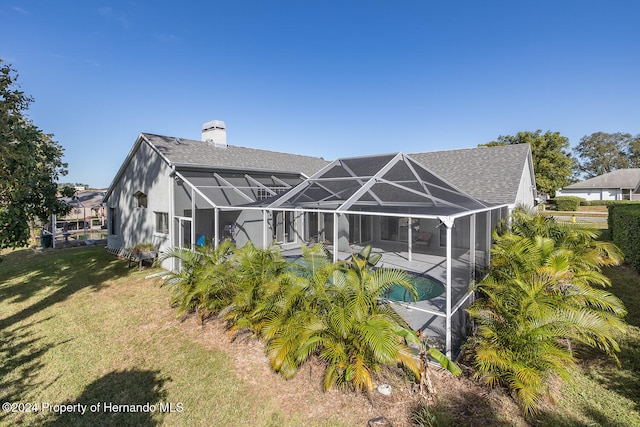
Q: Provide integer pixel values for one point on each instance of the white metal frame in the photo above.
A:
(366, 183)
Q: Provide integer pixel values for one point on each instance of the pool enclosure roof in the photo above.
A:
(390, 183)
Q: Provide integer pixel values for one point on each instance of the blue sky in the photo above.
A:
(320, 77)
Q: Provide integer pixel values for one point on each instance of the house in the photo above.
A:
(178, 192)
(621, 184)
(500, 174)
(163, 180)
(84, 220)
(85, 205)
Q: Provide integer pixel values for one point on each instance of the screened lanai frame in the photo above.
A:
(394, 189)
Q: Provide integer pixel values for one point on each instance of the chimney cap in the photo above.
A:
(213, 124)
(215, 132)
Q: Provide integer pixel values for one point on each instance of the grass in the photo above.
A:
(601, 393)
(581, 209)
(78, 327)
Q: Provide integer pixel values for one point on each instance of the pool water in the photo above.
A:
(427, 288)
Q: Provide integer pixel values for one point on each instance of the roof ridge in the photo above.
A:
(473, 148)
(196, 141)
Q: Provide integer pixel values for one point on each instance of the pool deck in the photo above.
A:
(427, 316)
(432, 265)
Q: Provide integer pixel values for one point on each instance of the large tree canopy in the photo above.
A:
(552, 163)
(31, 165)
(601, 152)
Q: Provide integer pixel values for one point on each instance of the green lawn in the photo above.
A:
(77, 326)
(601, 393)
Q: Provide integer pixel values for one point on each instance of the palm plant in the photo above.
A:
(361, 332)
(539, 297)
(336, 311)
(201, 285)
(296, 313)
(257, 275)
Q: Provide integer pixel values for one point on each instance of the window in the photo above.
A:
(162, 222)
(389, 228)
(397, 229)
(112, 221)
(264, 193)
(284, 227)
(359, 229)
(141, 199)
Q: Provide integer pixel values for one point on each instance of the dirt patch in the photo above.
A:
(461, 399)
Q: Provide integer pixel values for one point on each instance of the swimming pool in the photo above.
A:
(427, 288)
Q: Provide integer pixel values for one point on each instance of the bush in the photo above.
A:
(567, 203)
(143, 247)
(624, 226)
(605, 202)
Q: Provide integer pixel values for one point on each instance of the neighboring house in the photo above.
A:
(421, 211)
(622, 184)
(85, 205)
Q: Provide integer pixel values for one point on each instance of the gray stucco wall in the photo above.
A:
(249, 227)
(147, 173)
(526, 192)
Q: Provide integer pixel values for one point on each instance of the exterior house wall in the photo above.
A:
(343, 233)
(592, 194)
(526, 195)
(611, 194)
(148, 173)
(249, 227)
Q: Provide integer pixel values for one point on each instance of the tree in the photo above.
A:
(552, 164)
(31, 164)
(542, 293)
(601, 152)
(633, 152)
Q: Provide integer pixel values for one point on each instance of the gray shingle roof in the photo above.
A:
(492, 174)
(86, 198)
(189, 152)
(621, 178)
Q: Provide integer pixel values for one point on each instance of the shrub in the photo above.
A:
(567, 203)
(542, 293)
(203, 284)
(143, 247)
(624, 226)
(605, 202)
